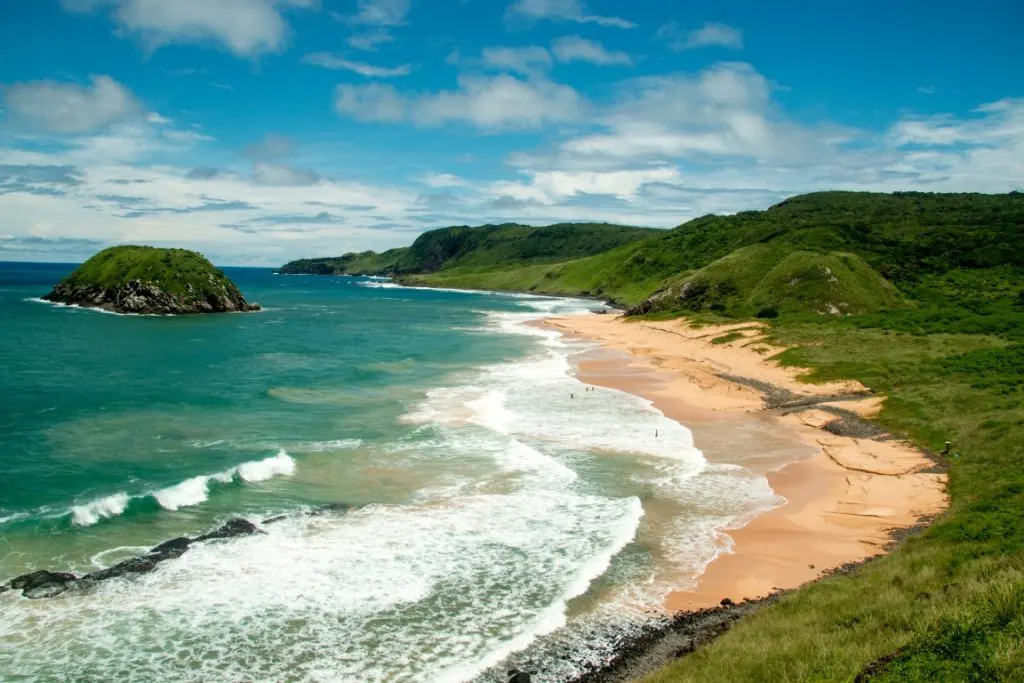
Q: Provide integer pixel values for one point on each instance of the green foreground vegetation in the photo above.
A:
(921, 298)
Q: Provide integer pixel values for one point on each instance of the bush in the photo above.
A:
(768, 312)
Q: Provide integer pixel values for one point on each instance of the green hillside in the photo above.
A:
(361, 263)
(917, 243)
(479, 248)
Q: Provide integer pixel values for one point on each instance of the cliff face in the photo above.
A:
(147, 280)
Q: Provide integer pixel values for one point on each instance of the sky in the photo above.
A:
(258, 131)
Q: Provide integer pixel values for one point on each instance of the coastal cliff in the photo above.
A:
(148, 280)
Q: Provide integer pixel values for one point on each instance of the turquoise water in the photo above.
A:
(502, 513)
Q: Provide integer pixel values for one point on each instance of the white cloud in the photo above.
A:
(71, 108)
(266, 173)
(245, 27)
(443, 180)
(710, 34)
(370, 41)
(381, 12)
(330, 61)
(525, 60)
(564, 10)
(271, 146)
(371, 102)
(501, 102)
(574, 48)
(493, 103)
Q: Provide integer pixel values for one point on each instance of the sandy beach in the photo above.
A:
(846, 488)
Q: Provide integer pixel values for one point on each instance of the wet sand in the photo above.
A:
(847, 485)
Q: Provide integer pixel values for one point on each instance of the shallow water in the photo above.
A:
(504, 511)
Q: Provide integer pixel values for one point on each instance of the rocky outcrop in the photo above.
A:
(146, 298)
(46, 584)
(150, 281)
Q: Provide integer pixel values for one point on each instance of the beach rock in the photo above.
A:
(4, 589)
(43, 584)
(136, 565)
(516, 676)
(168, 550)
(231, 529)
(41, 577)
(727, 602)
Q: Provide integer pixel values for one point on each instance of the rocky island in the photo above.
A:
(148, 280)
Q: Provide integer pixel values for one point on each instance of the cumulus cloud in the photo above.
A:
(710, 34)
(576, 49)
(369, 41)
(563, 10)
(71, 108)
(525, 60)
(271, 146)
(371, 102)
(331, 61)
(244, 27)
(501, 102)
(266, 173)
(381, 12)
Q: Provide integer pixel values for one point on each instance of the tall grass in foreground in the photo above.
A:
(948, 605)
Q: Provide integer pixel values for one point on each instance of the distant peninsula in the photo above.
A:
(148, 280)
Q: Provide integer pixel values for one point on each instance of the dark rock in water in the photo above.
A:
(276, 518)
(332, 507)
(169, 550)
(43, 584)
(516, 676)
(232, 528)
(316, 512)
(136, 565)
(39, 578)
(4, 589)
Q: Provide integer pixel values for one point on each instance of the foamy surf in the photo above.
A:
(385, 593)
(190, 492)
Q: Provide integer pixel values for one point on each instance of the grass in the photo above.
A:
(947, 605)
(173, 270)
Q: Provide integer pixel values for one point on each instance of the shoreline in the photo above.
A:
(855, 491)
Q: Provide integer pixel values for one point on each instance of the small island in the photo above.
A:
(148, 280)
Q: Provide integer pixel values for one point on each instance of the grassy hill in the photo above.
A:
(481, 248)
(917, 242)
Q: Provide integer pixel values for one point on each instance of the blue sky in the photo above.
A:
(257, 131)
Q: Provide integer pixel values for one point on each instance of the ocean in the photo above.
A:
(497, 512)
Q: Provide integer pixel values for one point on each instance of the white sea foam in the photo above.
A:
(96, 309)
(376, 284)
(320, 446)
(280, 464)
(4, 519)
(381, 594)
(90, 513)
(189, 492)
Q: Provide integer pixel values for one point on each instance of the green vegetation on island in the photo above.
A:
(132, 279)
